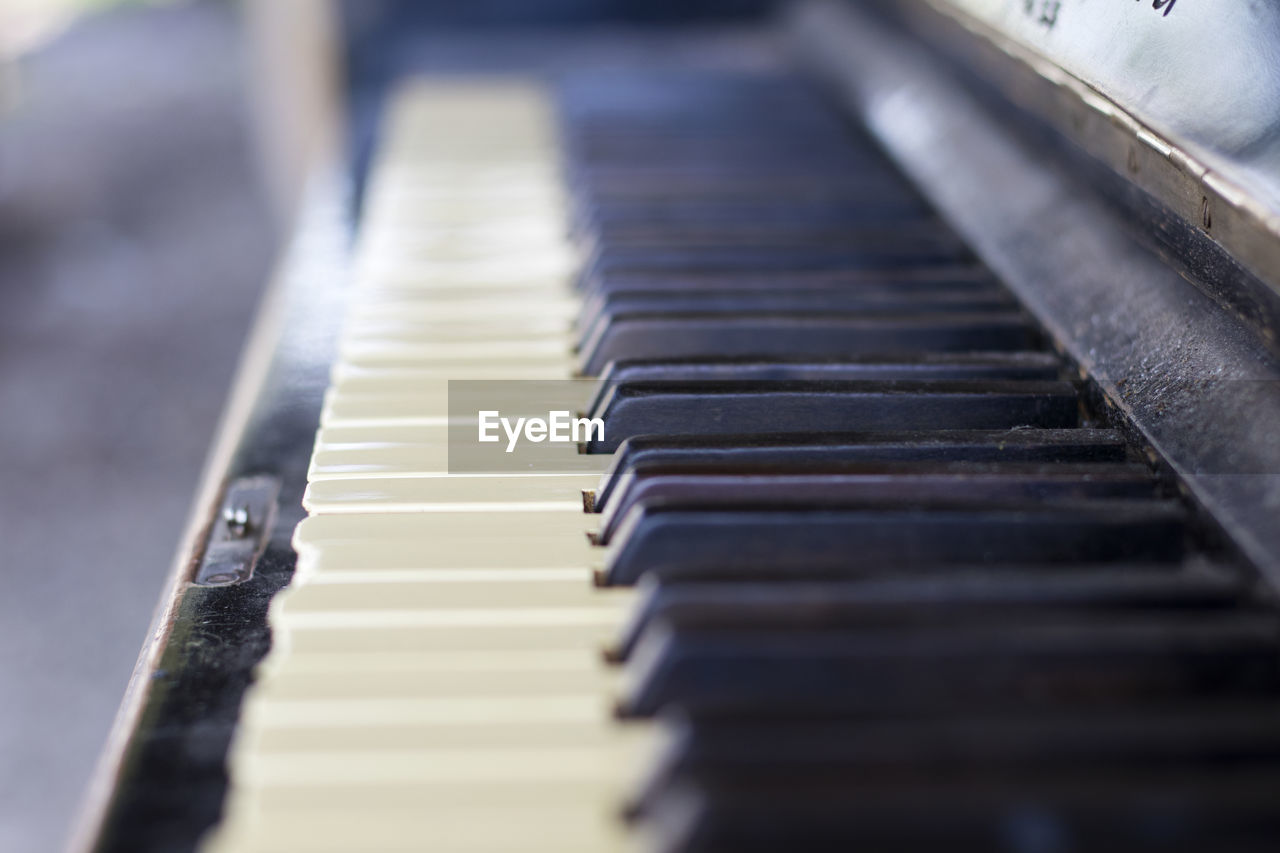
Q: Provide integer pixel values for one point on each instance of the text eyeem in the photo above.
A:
(559, 426)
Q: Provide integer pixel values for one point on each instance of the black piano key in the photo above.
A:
(1028, 658)
(962, 593)
(692, 158)
(922, 234)
(645, 336)
(643, 184)
(664, 134)
(709, 408)
(618, 306)
(1174, 812)
(609, 261)
(622, 186)
(885, 297)
(1012, 762)
(879, 484)
(1018, 445)
(951, 281)
(659, 91)
(907, 750)
(822, 212)
(943, 278)
(669, 539)
(998, 365)
(872, 645)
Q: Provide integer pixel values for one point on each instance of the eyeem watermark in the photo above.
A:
(528, 426)
(558, 427)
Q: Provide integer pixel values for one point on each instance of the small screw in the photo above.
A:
(1206, 214)
(237, 520)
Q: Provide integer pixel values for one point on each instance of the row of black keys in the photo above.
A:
(896, 592)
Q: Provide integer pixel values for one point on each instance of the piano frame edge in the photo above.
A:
(1227, 237)
(1072, 239)
(274, 404)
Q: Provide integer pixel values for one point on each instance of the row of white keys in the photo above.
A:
(435, 679)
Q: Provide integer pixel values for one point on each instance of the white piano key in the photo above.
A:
(389, 639)
(400, 450)
(455, 594)
(287, 685)
(434, 380)
(289, 739)
(495, 493)
(437, 328)
(398, 373)
(562, 825)
(436, 678)
(548, 348)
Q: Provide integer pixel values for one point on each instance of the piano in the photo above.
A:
(857, 429)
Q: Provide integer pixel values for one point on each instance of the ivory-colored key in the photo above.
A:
(436, 678)
(557, 364)
(461, 304)
(401, 639)
(444, 539)
(565, 825)
(399, 450)
(492, 493)
(494, 349)
(427, 401)
(423, 322)
(394, 375)
(411, 380)
(554, 733)
(452, 595)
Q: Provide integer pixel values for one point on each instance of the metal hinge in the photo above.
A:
(239, 532)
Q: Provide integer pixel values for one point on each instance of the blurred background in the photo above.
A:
(135, 239)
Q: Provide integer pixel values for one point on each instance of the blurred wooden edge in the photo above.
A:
(295, 94)
(323, 194)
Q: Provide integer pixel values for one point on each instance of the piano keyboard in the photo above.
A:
(857, 564)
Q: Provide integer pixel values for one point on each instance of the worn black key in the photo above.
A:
(921, 366)
(658, 237)
(935, 594)
(712, 408)
(618, 306)
(950, 282)
(650, 184)
(1161, 808)
(609, 260)
(943, 278)
(821, 213)
(880, 297)
(1018, 445)
(878, 484)
(783, 573)
(974, 638)
(670, 539)
(1190, 736)
(921, 235)
(998, 365)
(767, 334)
(726, 663)
(700, 161)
